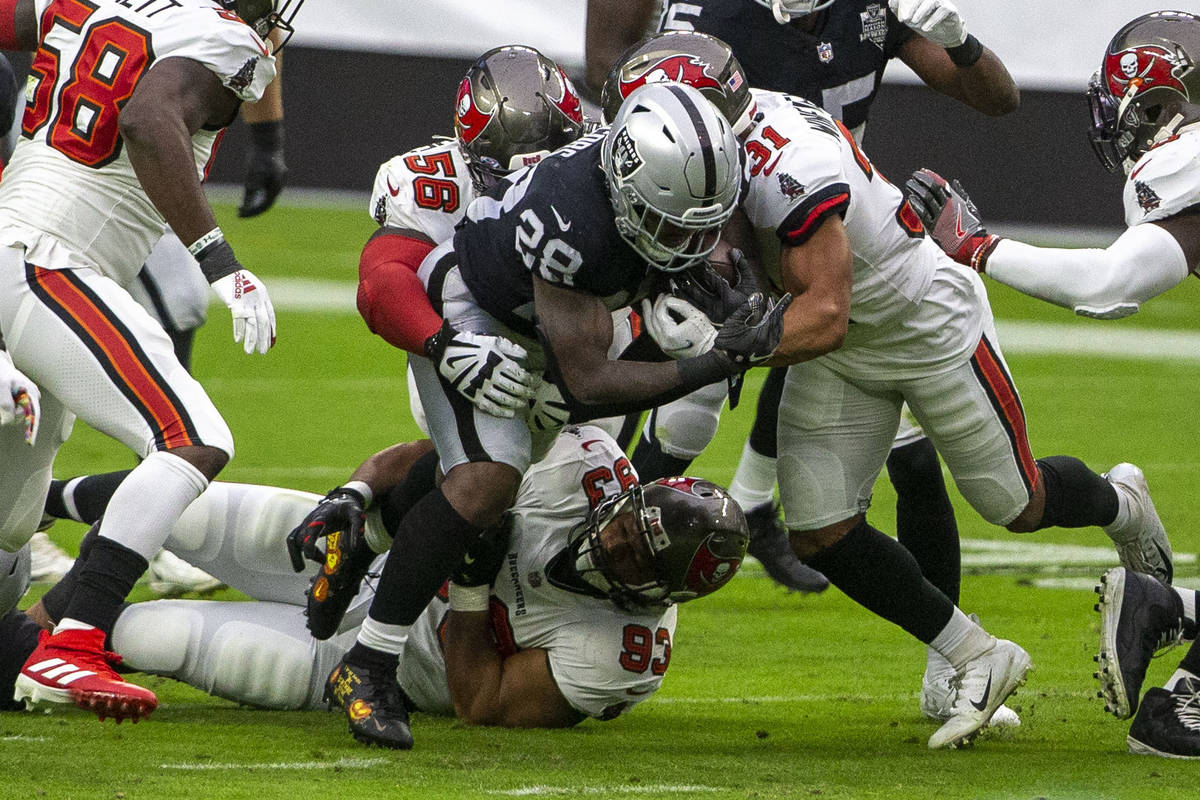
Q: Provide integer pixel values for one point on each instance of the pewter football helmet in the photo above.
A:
(674, 174)
(694, 532)
(784, 10)
(1147, 87)
(515, 106)
(701, 61)
(265, 16)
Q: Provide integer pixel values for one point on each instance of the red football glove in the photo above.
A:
(951, 218)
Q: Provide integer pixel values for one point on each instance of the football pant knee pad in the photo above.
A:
(685, 427)
(259, 654)
(14, 578)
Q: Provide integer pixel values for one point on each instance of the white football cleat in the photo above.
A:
(984, 684)
(1142, 541)
(48, 562)
(937, 693)
(170, 576)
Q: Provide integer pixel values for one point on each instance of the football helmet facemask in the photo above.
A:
(674, 173)
(1147, 87)
(265, 16)
(784, 10)
(690, 534)
(514, 106)
(701, 61)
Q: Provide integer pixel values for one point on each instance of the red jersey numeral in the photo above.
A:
(595, 480)
(111, 60)
(638, 653)
(434, 193)
(766, 151)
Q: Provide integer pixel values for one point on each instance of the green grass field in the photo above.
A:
(769, 694)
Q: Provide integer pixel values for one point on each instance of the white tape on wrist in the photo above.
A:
(363, 489)
(469, 598)
(213, 236)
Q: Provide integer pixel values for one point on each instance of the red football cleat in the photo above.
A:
(74, 667)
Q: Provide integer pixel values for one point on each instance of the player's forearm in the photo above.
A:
(1142, 263)
(160, 151)
(473, 668)
(268, 108)
(389, 468)
(986, 86)
(812, 327)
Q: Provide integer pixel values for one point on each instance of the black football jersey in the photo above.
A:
(553, 220)
(839, 67)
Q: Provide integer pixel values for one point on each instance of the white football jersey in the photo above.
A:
(69, 194)
(605, 660)
(1165, 180)
(912, 308)
(426, 189)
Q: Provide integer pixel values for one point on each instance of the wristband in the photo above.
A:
(967, 53)
(266, 136)
(212, 237)
(217, 260)
(709, 368)
(362, 490)
(469, 598)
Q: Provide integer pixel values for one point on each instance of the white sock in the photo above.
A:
(935, 662)
(68, 624)
(1122, 518)
(1179, 675)
(382, 636)
(754, 482)
(962, 640)
(1188, 596)
(68, 497)
(149, 501)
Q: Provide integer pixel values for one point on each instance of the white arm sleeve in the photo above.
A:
(1143, 262)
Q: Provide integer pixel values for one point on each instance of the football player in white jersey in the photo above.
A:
(579, 620)
(881, 316)
(123, 111)
(1145, 103)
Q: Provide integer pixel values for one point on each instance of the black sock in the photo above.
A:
(90, 495)
(57, 597)
(766, 413)
(427, 548)
(652, 463)
(108, 575)
(182, 342)
(1076, 497)
(925, 522)
(18, 638)
(397, 501)
(369, 657)
(876, 572)
(1191, 661)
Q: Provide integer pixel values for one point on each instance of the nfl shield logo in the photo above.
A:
(825, 52)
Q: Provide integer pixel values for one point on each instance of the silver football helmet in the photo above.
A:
(690, 538)
(784, 10)
(674, 170)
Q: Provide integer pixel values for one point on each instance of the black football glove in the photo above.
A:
(951, 218)
(484, 557)
(753, 332)
(340, 510)
(706, 290)
(266, 172)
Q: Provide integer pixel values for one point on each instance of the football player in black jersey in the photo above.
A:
(542, 259)
(832, 52)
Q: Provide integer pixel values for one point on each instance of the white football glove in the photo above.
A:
(678, 328)
(20, 398)
(547, 409)
(253, 315)
(484, 369)
(936, 20)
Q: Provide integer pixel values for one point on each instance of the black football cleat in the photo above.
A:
(770, 545)
(1168, 722)
(1138, 616)
(334, 587)
(374, 704)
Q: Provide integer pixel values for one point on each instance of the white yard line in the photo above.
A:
(351, 763)
(541, 790)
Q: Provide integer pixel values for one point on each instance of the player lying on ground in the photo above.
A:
(579, 623)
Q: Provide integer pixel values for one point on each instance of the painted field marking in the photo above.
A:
(22, 738)
(346, 763)
(541, 790)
